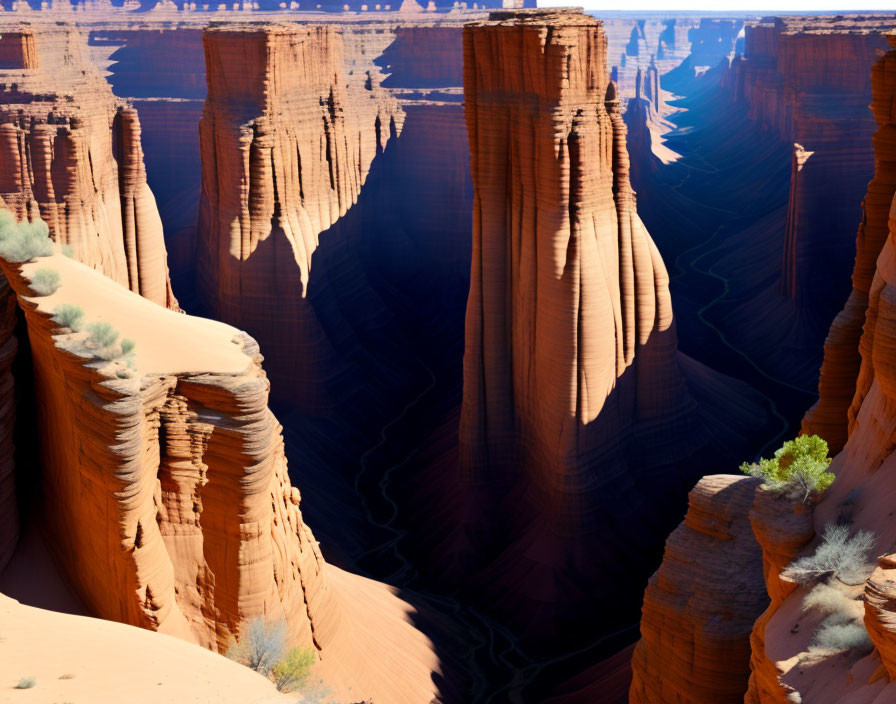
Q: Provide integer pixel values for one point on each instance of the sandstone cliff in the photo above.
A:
(165, 494)
(286, 144)
(788, 663)
(831, 417)
(700, 606)
(578, 413)
(70, 154)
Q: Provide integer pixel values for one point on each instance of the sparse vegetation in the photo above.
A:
(127, 346)
(69, 316)
(26, 683)
(263, 648)
(68, 251)
(293, 671)
(45, 282)
(23, 241)
(838, 555)
(841, 636)
(797, 471)
(101, 335)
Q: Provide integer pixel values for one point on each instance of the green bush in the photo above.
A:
(23, 241)
(69, 316)
(102, 335)
(68, 251)
(797, 471)
(26, 683)
(45, 282)
(127, 346)
(293, 671)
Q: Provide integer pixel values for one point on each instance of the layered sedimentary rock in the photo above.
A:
(165, 493)
(786, 665)
(700, 606)
(9, 513)
(70, 153)
(577, 413)
(831, 417)
(286, 147)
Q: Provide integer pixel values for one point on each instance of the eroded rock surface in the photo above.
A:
(70, 154)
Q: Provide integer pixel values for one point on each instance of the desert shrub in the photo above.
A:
(838, 555)
(68, 251)
(293, 671)
(261, 646)
(841, 636)
(102, 335)
(26, 683)
(829, 600)
(798, 469)
(69, 316)
(23, 241)
(45, 282)
(127, 346)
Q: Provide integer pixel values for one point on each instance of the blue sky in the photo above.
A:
(759, 6)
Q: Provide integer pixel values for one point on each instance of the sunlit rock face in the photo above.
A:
(578, 412)
(71, 154)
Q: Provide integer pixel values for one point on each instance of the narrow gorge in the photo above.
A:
(396, 341)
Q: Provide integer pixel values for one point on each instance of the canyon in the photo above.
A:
(503, 285)
(786, 663)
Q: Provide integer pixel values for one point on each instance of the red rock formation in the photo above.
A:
(785, 666)
(9, 514)
(166, 498)
(700, 606)
(70, 154)
(286, 147)
(831, 416)
(18, 49)
(576, 405)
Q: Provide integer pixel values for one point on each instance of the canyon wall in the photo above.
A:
(787, 662)
(71, 154)
(286, 145)
(165, 494)
(831, 416)
(578, 413)
(699, 607)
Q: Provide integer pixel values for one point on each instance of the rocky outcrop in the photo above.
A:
(699, 607)
(577, 410)
(286, 146)
(70, 154)
(786, 665)
(9, 513)
(165, 493)
(831, 416)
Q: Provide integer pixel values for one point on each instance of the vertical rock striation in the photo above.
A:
(577, 409)
(786, 665)
(700, 606)
(286, 144)
(166, 498)
(831, 417)
(70, 154)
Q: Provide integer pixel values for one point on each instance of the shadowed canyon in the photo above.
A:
(415, 353)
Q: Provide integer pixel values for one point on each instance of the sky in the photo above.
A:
(766, 7)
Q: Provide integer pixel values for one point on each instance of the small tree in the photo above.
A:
(261, 646)
(798, 469)
(293, 671)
